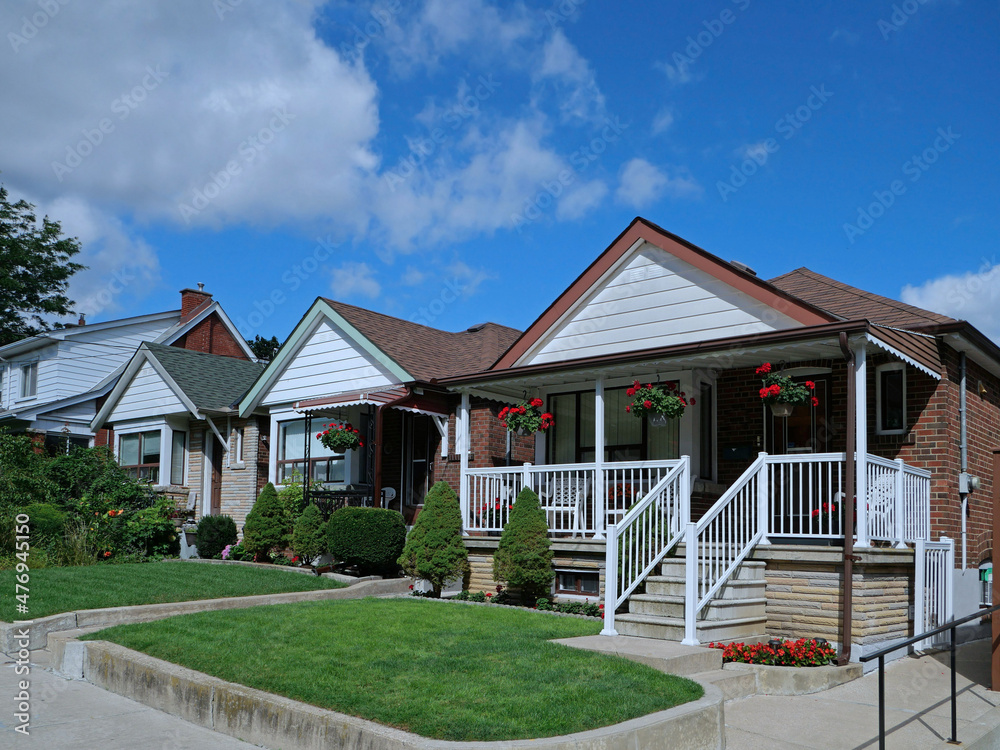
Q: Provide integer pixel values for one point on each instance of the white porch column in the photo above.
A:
(861, 442)
(600, 511)
(462, 446)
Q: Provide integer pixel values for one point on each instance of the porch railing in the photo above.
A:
(578, 499)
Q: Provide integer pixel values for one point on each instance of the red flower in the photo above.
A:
(765, 392)
(503, 412)
(488, 594)
(319, 435)
(630, 391)
(815, 401)
(535, 402)
(692, 402)
(647, 404)
(548, 417)
(635, 384)
(810, 385)
(764, 368)
(671, 386)
(628, 407)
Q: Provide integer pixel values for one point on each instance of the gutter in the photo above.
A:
(847, 596)
(963, 482)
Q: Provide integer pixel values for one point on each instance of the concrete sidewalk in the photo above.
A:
(918, 709)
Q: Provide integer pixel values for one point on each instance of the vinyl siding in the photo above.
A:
(326, 364)
(655, 300)
(146, 396)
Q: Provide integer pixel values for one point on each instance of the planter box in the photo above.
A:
(797, 680)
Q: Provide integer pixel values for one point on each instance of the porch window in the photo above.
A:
(890, 398)
(577, 582)
(325, 465)
(571, 439)
(178, 442)
(139, 455)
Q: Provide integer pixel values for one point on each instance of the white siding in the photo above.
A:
(82, 412)
(146, 396)
(653, 300)
(327, 363)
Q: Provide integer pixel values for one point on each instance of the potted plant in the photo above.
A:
(340, 437)
(526, 418)
(660, 404)
(782, 393)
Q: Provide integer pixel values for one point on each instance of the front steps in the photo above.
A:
(736, 613)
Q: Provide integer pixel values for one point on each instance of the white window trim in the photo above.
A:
(890, 366)
(596, 598)
(237, 439)
(185, 466)
(20, 381)
(166, 444)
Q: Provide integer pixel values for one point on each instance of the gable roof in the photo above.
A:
(429, 353)
(73, 330)
(643, 230)
(850, 303)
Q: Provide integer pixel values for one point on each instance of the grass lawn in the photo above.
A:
(54, 590)
(447, 671)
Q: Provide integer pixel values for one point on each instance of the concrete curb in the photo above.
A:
(276, 722)
(11, 635)
(773, 680)
(988, 738)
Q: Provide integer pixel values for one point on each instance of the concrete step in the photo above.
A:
(749, 570)
(735, 685)
(715, 610)
(665, 656)
(747, 629)
(733, 589)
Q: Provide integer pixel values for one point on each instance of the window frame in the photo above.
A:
(880, 429)
(139, 467)
(307, 472)
(26, 367)
(578, 590)
(184, 452)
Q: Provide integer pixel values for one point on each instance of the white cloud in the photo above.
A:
(677, 73)
(468, 278)
(413, 276)
(850, 38)
(572, 77)
(355, 280)
(662, 122)
(578, 201)
(756, 151)
(973, 296)
(641, 184)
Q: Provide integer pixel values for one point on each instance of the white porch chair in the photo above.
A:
(565, 496)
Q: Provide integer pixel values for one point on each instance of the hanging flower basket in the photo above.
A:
(340, 437)
(660, 404)
(782, 393)
(526, 418)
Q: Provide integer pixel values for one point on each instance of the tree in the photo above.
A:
(34, 270)
(266, 528)
(524, 557)
(309, 537)
(434, 550)
(263, 348)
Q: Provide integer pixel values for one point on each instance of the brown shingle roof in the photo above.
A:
(428, 353)
(851, 303)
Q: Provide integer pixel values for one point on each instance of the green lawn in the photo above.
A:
(446, 671)
(54, 590)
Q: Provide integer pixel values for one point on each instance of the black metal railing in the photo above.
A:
(880, 655)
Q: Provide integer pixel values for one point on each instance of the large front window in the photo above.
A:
(139, 455)
(626, 438)
(325, 465)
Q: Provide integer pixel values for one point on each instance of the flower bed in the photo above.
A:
(801, 653)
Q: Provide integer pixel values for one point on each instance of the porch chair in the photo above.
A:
(565, 496)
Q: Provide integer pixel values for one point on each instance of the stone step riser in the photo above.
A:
(714, 611)
(675, 568)
(662, 586)
(707, 632)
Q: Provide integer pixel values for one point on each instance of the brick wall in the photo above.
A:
(212, 336)
(240, 481)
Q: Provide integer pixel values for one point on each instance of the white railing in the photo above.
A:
(933, 598)
(717, 544)
(806, 493)
(640, 541)
(577, 498)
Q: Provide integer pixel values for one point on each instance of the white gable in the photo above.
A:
(327, 363)
(653, 299)
(146, 396)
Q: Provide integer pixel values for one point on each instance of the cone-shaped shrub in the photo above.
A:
(265, 529)
(309, 537)
(434, 549)
(214, 533)
(524, 558)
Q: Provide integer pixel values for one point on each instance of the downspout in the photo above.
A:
(846, 608)
(377, 479)
(963, 420)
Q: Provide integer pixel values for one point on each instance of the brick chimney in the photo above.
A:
(192, 299)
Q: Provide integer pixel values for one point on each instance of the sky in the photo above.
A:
(452, 163)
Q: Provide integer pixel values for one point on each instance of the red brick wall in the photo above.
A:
(191, 299)
(211, 336)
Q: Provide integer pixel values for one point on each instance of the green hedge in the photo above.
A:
(370, 538)
(214, 533)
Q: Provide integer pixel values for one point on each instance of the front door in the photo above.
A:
(215, 493)
(807, 430)
(420, 440)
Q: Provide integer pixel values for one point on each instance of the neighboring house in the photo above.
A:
(52, 385)
(176, 428)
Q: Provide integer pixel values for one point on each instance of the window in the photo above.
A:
(578, 582)
(139, 455)
(325, 465)
(178, 443)
(890, 398)
(236, 455)
(29, 380)
(57, 444)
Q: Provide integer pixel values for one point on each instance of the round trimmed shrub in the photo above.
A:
(370, 538)
(434, 550)
(266, 529)
(47, 523)
(524, 555)
(308, 539)
(213, 534)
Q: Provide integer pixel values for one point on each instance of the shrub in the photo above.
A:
(370, 538)
(47, 523)
(151, 531)
(478, 596)
(434, 550)
(524, 557)
(293, 500)
(308, 539)
(214, 533)
(266, 527)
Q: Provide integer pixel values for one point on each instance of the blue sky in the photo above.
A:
(456, 162)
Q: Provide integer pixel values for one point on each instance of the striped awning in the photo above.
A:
(375, 398)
